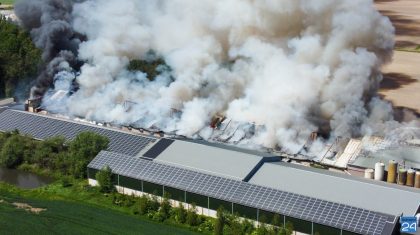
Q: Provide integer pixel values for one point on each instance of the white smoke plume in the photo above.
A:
(289, 67)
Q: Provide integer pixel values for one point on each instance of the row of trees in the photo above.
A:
(55, 154)
(19, 58)
(163, 211)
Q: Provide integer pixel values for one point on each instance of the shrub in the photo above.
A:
(220, 221)
(143, 205)
(206, 225)
(262, 229)
(234, 225)
(104, 178)
(247, 227)
(179, 214)
(66, 182)
(154, 203)
(165, 208)
(192, 217)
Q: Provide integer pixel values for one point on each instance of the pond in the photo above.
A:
(23, 179)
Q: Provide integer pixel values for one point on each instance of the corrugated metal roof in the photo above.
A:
(210, 159)
(340, 188)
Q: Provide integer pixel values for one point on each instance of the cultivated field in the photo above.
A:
(52, 210)
(73, 218)
(401, 83)
(405, 16)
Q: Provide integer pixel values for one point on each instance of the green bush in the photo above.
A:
(263, 230)
(220, 221)
(206, 225)
(192, 217)
(165, 208)
(66, 181)
(234, 225)
(179, 214)
(247, 226)
(104, 178)
(143, 205)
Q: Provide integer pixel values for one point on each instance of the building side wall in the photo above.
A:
(208, 206)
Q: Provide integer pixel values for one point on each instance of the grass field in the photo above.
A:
(70, 217)
(7, 2)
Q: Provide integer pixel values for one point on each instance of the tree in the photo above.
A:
(180, 214)
(247, 226)
(220, 221)
(104, 178)
(47, 151)
(83, 149)
(289, 228)
(234, 225)
(192, 217)
(165, 208)
(277, 223)
(262, 229)
(143, 204)
(19, 58)
(12, 153)
(152, 68)
(154, 203)
(15, 149)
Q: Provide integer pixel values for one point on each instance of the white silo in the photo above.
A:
(379, 171)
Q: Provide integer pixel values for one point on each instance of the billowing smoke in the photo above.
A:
(49, 24)
(278, 70)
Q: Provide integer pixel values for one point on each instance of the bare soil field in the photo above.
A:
(405, 16)
(401, 84)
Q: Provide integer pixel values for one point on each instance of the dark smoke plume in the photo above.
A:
(277, 70)
(49, 22)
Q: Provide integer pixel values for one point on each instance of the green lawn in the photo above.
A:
(71, 217)
(7, 2)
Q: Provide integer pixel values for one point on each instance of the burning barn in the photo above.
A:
(254, 184)
(304, 91)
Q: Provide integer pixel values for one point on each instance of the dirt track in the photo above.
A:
(401, 84)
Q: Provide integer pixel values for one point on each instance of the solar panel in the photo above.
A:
(158, 148)
(297, 206)
(43, 127)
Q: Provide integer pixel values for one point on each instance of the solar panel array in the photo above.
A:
(306, 208)
(158, 148)
(43, 127)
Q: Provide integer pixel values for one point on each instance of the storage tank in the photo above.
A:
(410, 177)
(369, 173)
(417, 180)
(402, 176)
(379, 171)
(392, 172)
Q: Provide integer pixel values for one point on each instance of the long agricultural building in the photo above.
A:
(253, 184)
